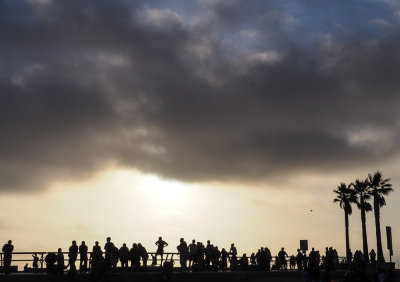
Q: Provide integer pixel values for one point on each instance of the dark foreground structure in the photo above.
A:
(273, 276)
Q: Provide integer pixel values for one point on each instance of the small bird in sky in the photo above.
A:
(311, 210)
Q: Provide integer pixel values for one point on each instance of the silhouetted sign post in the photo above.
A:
(389, 241)
(304, 245)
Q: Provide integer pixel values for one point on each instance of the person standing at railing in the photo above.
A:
(72, 255)
(109, 248)
(144, 255)
(224, 259)
(160, 248)
(183, 251)
(208, 251)
(282, 255)
(253, 259)
(192, 252)
(233, 250)
(124, 256)
(134, 257)
(50, 261)
(372, 256)
(244, 263)
(35, 264)
(299, 260)
(261, 258)
(233, 257)
(96, 257)
(200, 257)
(83, 249)
(215, 256)
(268, 256)
(60, 262)
(7, 250)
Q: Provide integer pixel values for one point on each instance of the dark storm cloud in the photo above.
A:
(245, 93)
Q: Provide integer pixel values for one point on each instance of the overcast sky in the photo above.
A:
(231, 93)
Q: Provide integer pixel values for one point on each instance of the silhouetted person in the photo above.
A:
(208, 254)
(233, 250)
(233, 257)
(72, 256)
(224, 259)
(268, 257)
(134, 255)
(282, 255)
(98, 264)
(199, 258)
(183, 251)
(83, 250)
(35, 264)
(160, 248)
(253, 259)
(299, 260)
(192, 252)
(244, 262)
(109, 249)
(95, 257)
(7, 250)
(372, 256)
(312, 258)
(50, 261)
(124, 255)
(166, 269)
(335, 256)
(215, 257)
(144, 255)
(60, 262)
(305, 260)
(292, 262)
(233, 263)
(259, 259)
(349, 256)
(329, 257)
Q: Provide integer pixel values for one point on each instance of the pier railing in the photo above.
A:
(22, 258)
(26, 258)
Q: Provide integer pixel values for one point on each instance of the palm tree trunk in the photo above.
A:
(364, 233)
(346, 221)
(378, 232)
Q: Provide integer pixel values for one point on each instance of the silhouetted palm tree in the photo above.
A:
(379, 187)
(345, 196)
(361, 189)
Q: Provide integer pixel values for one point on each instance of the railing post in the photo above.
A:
(41, 263)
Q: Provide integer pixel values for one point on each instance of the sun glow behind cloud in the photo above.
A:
(132, 207)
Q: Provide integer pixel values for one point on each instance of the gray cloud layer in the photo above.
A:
(232, 93)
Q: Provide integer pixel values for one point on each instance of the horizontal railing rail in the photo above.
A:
(26, 258)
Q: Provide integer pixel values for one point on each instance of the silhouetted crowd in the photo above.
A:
(194, 257)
